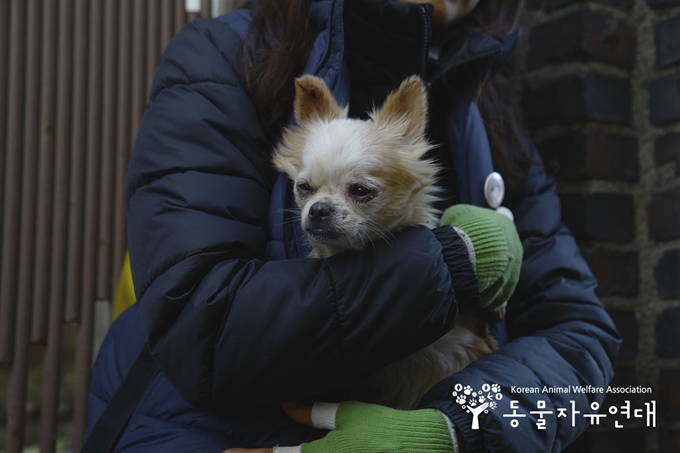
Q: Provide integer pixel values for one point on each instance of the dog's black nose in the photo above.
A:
(319, 211)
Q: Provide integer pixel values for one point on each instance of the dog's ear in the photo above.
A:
(406, 105)
(288, 164)
(287, 156)
(313, 99)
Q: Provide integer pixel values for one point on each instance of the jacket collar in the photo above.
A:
(390, 16)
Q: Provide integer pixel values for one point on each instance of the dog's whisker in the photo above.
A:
(363, 237)
(380, 235)
(289, 221)
(379, 226)
(379, 230)
(372, 245)
(287, 210)
(293, 219)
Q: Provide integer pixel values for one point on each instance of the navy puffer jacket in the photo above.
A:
(239, 319)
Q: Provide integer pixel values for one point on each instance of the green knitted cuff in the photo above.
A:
(497, 250)
(370, 428)
(491, 248)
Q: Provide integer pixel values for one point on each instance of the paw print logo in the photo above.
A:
(477, 402)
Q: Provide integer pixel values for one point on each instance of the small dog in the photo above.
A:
(356, 181)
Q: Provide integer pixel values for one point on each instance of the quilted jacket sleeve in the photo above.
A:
(226, 325)
(559, 336)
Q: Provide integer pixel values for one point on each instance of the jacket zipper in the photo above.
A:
(426, 45)
(426, 40)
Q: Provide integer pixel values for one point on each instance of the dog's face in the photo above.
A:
(355, 181)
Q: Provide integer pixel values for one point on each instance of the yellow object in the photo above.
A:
(125, 293)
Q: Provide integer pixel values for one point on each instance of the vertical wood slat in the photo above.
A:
(206, 8)
(167, 23)
(135, 109)
(4, 50)
(108, 149)
(139, 66)
(74, 254)
(180, 16)
(10, 224)
(122, 140)
(139, 56)
(52, 359)
(153, 24)
(48, 82)
(229, 5)
(16, 391)
(83, 362)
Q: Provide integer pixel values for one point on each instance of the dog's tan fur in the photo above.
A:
(331, 155)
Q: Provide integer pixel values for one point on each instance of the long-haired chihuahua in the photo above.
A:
(356, 181)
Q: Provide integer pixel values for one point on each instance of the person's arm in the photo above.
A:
(226, 325)
(559, 335)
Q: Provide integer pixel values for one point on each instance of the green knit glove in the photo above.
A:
(369, 428)
(494, 248)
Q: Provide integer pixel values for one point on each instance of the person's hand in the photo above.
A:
(494, 248)
(367, 428)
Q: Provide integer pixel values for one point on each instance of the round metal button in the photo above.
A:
(494, 189)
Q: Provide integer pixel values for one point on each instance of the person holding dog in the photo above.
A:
(238, 318)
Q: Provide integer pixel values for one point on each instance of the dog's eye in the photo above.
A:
(304, 188)
(360, 192)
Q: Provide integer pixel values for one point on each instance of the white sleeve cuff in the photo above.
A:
(297, 449)
(452, 430)
(323, 415)
(502, 210)
(468, 245)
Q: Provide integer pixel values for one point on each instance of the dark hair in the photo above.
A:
(279, 40)
(499, 18)
(275, 51)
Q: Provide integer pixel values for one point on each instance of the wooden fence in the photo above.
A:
(74, 78)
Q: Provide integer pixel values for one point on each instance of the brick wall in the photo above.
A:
(598, 88)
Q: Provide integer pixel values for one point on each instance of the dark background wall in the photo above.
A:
(597, 85)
